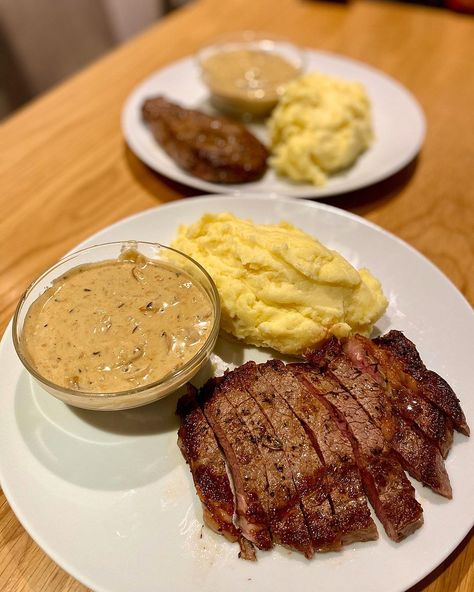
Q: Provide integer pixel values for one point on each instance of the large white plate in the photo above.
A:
(399, 126)
(109, 497)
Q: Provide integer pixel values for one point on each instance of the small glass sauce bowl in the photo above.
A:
(144, 394)
(246, 72)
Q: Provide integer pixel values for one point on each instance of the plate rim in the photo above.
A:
(294, 191)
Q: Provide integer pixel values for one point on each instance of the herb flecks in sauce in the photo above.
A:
(117, 325)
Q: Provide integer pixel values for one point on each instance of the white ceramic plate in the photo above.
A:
(109, 497)
(399, 126)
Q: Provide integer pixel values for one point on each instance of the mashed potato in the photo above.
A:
(280, 287)
(319, 127)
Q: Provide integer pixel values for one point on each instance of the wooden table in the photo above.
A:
(66, 172)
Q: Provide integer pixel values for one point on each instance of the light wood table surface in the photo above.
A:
(65, 172)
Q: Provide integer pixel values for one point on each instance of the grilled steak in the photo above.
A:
(210, 147)
(352, 520)
(418, 455)
(199, 447)
(428, 384)
(245, 464)
(286, 520)
(402, 390)
(309, 475)
(283, 453)
(385, 483)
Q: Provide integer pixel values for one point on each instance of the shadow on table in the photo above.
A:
(362, 201)
(454, 582)
(154, 183)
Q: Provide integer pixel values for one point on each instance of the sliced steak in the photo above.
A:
(403, 390)
(351, 513)
(286, 519)
(210, 147)
(309, 474)
(418, 455)
(386, 485)
(201, 451)
(429, 384)
(244, 462)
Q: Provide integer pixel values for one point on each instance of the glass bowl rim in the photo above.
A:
(249, 36)
(171, 377)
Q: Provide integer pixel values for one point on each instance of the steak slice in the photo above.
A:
(201, 451)
(351, 513)
(386, 485)
(418, 455)
(309, 474)
(210, 147)
(244, 462)
(287, 523)
(403, 390)
(429, 384)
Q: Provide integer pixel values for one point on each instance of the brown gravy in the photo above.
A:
(247, 80)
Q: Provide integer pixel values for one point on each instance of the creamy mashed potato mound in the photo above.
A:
(320, 126)
(280, 287)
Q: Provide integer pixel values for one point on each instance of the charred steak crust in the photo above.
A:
(200, 450)
(308, 472)
(212, 148)
(354, 368)
(403, 391)
(351, 513)
(244, 462)
(286, 520)
(430, 385)
(301, 442)
(386, 485)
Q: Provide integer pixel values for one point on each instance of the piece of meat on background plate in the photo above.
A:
(212, 148)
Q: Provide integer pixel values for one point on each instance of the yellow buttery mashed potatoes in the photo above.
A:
(280, 287)
(320, 126)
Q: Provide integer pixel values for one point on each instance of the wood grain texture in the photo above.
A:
(66, 173)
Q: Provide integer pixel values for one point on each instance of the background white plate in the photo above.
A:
(109, 497)
(398, 120)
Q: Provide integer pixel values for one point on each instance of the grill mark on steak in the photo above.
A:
(286, 519)
(418, 455)
(352, 514)
(402, 389)
(386, 485)
(197, 442)
(212, 148)
(309, 474)
(244, 462)
(430, 385)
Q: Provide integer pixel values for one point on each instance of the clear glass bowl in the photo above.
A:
(133, 397)
(246, 72)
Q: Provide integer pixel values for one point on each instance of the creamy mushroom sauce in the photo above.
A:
(116, 325)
